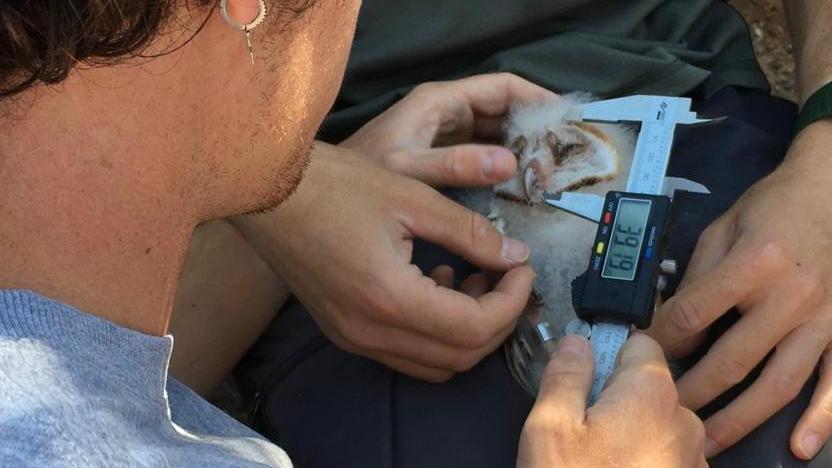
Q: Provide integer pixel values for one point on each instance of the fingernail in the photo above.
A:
(487, 166)
(572, 344)
(811, 444)
(495, 162)
(515, 251)
(711, 447)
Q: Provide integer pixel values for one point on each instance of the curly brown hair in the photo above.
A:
(42, 40)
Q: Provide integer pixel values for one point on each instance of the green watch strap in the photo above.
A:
(817, 107)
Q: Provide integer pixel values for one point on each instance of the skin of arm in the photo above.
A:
(811, 36)
(227, 295)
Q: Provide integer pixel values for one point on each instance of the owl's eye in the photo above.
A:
(518, 146)
(569, 150)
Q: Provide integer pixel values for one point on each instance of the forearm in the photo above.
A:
(226, 297)
(232, 283)
(809, 21)
(276, 234)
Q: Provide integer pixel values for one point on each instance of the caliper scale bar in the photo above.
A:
(658, 117)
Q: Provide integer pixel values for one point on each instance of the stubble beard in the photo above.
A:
(286, 180)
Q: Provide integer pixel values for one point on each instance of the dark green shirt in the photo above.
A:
(606, 47)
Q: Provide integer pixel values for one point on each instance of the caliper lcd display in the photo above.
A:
(626, 239)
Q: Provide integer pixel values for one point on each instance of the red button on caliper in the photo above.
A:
(607, 217)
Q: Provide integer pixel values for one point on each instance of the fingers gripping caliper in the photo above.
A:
(626, 264)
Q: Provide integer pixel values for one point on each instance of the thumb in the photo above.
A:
(567, 380)
(437, 219)
(456, 166)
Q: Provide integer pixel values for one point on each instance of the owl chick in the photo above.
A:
(553, 155)
(557, 155)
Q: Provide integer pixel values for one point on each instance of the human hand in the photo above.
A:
(636, 422)
(343, 243)
(768, 256)
(428, 134)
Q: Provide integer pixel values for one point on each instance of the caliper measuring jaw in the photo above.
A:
(591, 206)
(625, 263)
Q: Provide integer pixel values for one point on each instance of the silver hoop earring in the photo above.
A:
(245, 27)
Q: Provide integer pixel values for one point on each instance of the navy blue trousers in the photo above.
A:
(328, 408)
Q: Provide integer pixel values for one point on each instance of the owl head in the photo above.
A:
(557, 155)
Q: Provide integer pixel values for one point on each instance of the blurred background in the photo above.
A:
(769, 31)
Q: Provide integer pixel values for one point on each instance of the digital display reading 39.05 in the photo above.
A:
(626, 239)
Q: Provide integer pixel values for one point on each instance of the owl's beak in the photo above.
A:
(530, 183)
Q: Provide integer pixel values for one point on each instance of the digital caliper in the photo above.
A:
(626, 264)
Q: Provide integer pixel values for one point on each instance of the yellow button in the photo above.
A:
(600, 249)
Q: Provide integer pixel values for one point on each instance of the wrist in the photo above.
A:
(817, 107)
(281, 233)
(813, 145)
(257, 231)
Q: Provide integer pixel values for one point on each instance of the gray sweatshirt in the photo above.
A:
(77, 390)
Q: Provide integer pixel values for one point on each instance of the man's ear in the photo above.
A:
(243, 11)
